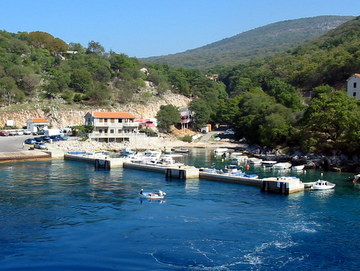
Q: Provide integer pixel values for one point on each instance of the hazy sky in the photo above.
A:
(143, 28)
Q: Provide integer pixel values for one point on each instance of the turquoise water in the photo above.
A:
(64, 215)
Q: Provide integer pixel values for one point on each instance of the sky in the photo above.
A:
(145, 28)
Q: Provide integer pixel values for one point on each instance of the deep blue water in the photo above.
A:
(64, 215)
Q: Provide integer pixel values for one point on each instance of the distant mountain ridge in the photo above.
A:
(257, 43)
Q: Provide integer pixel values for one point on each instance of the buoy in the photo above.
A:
(247, 166)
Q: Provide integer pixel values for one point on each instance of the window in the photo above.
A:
(111, 131)
(112, 120)
(355, 84)
(100, 120)
(105, 120)
(120, 120)
(354, 94)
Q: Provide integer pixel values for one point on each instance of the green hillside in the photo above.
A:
(267, 107)
(254, 44)
(37, 67)
(327, 60)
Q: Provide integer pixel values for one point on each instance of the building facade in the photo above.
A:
(112, 126)
(353, 86)
(37, 124)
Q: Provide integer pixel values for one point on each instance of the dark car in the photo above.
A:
(30, 141)
(40, 132)
(3, 133)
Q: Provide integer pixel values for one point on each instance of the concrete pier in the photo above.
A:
(231, 178)
(99, 161)
(170, 171)
(24, 156)
(280, 185)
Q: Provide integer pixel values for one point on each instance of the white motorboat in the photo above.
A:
(356, 178)
(231, 169)
(239, 159)
(254, 161)
(182, 150)
(322, 185)
(152, 195)
(282, 165)
(268, 163)
(298, 168)
(221, 150)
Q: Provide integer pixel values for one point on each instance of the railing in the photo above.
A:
(114, 135)
(116, 125)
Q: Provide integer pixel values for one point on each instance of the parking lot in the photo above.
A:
(13, 143)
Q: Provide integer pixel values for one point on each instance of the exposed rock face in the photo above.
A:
(61, 118)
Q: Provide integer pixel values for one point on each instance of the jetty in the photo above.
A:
(24, 156)
(282, 185)
(102, 160)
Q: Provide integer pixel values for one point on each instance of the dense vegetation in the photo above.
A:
(254, 44)
(266, 105)
(38, 66)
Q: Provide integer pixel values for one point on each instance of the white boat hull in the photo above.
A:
(322, 185)
(151, 195)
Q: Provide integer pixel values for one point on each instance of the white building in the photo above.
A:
(37, 124)
(353, 86)
(111, 126)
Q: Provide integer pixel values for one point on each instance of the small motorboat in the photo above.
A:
(356, 178)
(298, 168)
(268, 163)
(152, 195)
(182, 150)
(281, 166)
(231, 169)
(322, 185)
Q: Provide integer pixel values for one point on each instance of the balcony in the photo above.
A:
(116, 125)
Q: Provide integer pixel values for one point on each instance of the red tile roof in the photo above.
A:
(39, 120)
(113, 115)
(357, 74)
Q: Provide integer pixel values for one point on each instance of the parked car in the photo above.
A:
(20, 132)
(27, 132)
(13, 133)
(40, 145)
(40, 132)
(39, 140)
(4, 133)
(30, 141)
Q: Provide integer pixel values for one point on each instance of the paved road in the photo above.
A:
(207, 136)
(13, 143)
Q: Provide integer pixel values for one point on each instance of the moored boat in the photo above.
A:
(356, 178)
(221, 150)
(268, 163)
(282, 165)
(322, 185)
(182, 150)
(298, 168)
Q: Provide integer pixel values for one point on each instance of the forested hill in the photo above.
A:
(254, 44)
(36, 67)
(327, 60)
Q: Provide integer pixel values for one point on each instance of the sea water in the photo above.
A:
(65, 215)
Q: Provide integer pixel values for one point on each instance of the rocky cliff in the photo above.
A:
(61, 116)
